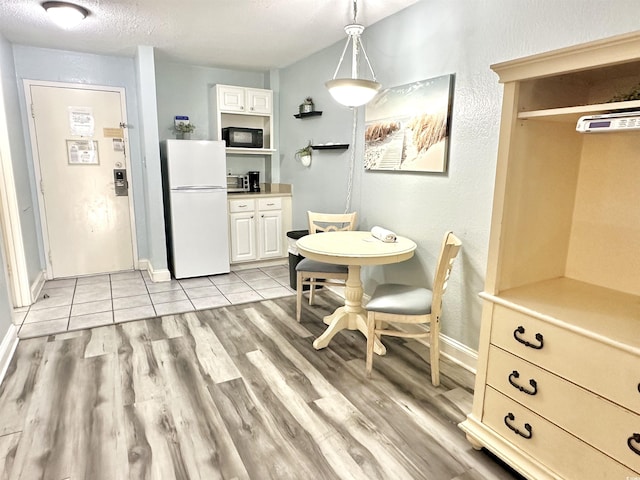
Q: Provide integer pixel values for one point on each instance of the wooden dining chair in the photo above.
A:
(313, 273)
(405, 304)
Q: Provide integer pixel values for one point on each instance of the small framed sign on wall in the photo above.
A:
(407, 127)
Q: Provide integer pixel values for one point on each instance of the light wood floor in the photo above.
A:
(236, 392)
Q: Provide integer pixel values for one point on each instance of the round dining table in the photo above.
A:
(354, 249)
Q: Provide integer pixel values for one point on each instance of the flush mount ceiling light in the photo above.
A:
(353, 91)
(65, 15)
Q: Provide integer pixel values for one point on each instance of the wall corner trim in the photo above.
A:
(7, 349)
(161, 275)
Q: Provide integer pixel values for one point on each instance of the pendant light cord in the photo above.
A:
(352, 162)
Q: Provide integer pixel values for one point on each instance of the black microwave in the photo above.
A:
(243, 137)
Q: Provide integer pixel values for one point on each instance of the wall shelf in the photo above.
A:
(334, 146)
(315, 113)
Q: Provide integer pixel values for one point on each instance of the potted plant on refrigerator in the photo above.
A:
(184, 130)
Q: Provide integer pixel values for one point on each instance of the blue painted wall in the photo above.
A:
(429, 39)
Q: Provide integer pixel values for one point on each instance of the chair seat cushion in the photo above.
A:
(400, 299)
(308, 265)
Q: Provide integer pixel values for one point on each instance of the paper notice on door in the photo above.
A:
(82, 152)
(118, 145)
(81, 121)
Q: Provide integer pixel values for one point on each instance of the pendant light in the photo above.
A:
(353, 91)
(65, 15)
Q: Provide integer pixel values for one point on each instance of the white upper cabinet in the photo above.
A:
(259, 100)
(245, 100)
(234, 106)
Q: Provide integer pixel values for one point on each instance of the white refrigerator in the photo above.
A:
(195, 206)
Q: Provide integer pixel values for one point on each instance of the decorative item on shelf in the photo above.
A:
(304, 154)
(633, 94)
(307, 105)
(353, 91)
(184, 130)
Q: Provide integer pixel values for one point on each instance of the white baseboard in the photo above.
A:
(7, 349)
(37, 285)
(237, 267)
(161, 275)
(459, 353)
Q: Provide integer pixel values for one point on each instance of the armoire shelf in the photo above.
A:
(315, 113)
(572, 114)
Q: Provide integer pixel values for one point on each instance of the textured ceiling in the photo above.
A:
(243, 34)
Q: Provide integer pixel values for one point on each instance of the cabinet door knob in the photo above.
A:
(539, 338)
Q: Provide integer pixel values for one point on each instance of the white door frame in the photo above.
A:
(36, 162)
(14, 256)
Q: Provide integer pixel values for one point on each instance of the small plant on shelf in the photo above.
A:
(307, 105)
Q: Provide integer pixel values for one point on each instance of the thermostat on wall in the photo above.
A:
(609, 122)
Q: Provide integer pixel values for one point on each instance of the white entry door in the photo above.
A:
(80, 156)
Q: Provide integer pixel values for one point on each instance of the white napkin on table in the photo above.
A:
(383, 234)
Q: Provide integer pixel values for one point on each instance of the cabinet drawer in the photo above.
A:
(242, 205)
(270, 203)
(552, 446)
(589, 417)
(599, 367)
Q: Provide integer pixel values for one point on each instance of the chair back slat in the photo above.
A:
(448, 252)
(331, 222)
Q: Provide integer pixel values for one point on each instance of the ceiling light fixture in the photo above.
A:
(353, 91)
(65, 15)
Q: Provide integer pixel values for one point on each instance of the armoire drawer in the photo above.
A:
(558, 450)
(596, 421)
(597, 366)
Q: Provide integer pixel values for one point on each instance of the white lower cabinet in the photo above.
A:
(257, 228)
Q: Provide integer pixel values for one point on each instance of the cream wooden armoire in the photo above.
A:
(557, 390)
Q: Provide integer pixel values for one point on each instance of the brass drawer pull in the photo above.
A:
(532, 382)
(520, 331)
(634, 438)
(511, 417)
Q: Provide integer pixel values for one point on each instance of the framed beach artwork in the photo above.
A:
(407, 127)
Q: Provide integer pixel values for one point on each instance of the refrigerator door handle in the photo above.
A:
(199, 187)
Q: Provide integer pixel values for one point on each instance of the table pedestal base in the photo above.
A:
(342, 319)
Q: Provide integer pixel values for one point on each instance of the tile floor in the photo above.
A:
(84, 302)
